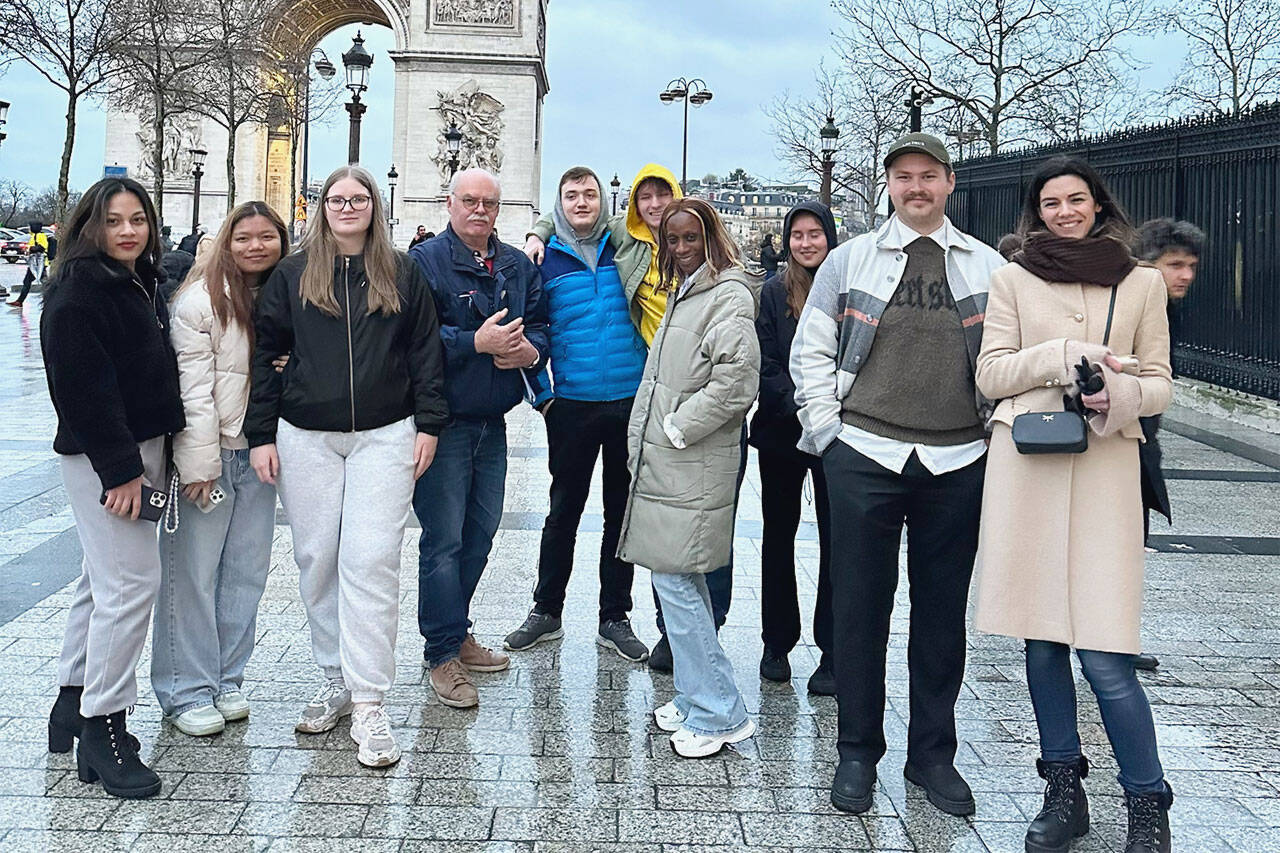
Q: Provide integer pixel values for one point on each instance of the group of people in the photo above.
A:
(357, 382)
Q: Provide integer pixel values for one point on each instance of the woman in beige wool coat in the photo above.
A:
(1060, 554)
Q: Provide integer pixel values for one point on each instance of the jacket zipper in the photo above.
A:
(151, 300)
(351, 361)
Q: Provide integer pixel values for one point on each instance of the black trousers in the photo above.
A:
(577, 433)
(781, 487)
(869, 505)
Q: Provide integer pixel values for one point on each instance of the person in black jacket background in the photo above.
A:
(808, 233)
(113, 379)
(771, 257)
(344, 431)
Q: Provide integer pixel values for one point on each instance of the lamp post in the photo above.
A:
(357, 62)
(326, 70)
(392, 177)
(197, 172)
(915, 102)
(694, 92)
(963, 137)
(614, 184)
(4, 117)
(829, 134)
(453, 142)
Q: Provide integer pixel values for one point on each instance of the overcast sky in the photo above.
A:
(607, 60)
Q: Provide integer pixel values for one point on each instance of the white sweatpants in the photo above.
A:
(347, 496)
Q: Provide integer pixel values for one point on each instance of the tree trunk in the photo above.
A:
(68, 144)
(231, 170)
(157, 156)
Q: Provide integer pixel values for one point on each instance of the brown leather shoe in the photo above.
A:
(453, 687)
(477, 658)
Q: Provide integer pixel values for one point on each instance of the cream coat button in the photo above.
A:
(1079, 318)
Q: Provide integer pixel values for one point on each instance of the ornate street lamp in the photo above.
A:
(4, 117)
(453, 143)
(197, 172)
(829, 134)
(320, 61)
(916, 101)
(614, 184)
(357, 61)
(694, 92)
(392, 177)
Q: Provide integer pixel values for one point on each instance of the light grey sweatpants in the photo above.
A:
(347, 496)
(119, 581)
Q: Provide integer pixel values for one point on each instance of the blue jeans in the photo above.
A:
(459, 504)
(705, 690)
(1126, 715)
(213, 572)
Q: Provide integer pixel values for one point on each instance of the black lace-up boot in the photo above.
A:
(1149, 822)
(65, 721)
(105, 753)
(1065, 814)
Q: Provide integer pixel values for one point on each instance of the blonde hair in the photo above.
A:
(381, 260)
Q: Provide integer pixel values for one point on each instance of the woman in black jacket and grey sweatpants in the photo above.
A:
(346, 430)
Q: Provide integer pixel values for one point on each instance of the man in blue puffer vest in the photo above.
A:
(597, 358)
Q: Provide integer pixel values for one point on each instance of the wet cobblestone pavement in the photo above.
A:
(561, 755)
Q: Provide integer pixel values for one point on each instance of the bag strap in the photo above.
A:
(1111, 310)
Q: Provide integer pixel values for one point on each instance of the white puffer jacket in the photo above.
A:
(213, 367)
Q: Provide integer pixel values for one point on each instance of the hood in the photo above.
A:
(817, 209)
(635, 225)
(570, 237)
(703, 280)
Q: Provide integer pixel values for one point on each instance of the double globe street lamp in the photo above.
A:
(693, 92)
(357, 61)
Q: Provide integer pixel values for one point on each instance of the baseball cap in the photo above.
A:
(918, 143)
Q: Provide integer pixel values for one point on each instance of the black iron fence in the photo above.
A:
(1221, 173)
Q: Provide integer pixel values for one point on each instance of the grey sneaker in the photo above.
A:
(371, 729)
(617, 635)
(331, 702)
(536, 628)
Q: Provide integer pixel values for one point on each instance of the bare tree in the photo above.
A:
(997, 61)
(303, 101)
(14, 195)
(69, 43)
(1234, 60)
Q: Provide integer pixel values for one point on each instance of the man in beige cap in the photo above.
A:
(883, 362)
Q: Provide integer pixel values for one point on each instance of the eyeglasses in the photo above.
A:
(471, 202)
(337, 202)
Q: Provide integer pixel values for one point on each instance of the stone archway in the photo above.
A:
(479, 63)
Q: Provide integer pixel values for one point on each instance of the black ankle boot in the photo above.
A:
(105, 753)
(65, 721)
(1149, 821)
(1065, 814)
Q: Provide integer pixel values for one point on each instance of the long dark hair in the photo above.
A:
(722, 252)
(83, 229)
(1111, 221)
(797, 280)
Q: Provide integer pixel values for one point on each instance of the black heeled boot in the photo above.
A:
(106, 754)
(1149, 822)
(1065, 814)
(65, 722)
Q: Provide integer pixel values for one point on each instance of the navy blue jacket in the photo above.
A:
(467, 294)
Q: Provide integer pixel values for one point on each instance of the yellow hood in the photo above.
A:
(635, 225)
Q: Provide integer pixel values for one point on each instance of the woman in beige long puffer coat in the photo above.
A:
(1060, 555)
(699, 381)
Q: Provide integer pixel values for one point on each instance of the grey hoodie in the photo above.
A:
(587, 247)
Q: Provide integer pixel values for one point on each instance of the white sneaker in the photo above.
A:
(331, 702)
(689, 745)
(372, 730)
(668, 717)
(199, 722)
(232, 706)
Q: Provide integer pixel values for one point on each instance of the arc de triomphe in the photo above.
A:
(477, 63)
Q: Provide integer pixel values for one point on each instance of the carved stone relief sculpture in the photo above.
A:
(484, 13)
(478, 117)
(182, 133)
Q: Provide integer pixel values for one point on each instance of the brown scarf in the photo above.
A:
(1089, 260)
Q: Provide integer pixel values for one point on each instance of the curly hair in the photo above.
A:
(1158, 236)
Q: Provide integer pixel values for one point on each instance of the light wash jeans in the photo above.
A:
(213, 572)
(705, 690)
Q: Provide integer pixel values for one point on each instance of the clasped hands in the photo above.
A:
(506, 343)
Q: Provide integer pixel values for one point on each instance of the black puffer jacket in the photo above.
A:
(112, 374)
(356, 371)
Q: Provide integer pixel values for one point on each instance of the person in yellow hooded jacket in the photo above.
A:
(634, 235)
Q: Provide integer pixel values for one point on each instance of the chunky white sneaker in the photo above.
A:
(199, 722)
(232, 706)
(668, 717)
(371, 729)
(689, 745)
(331, 702)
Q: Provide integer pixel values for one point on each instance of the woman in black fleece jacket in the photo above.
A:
(113, 379)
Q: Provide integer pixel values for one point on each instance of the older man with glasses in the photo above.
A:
(493, 322)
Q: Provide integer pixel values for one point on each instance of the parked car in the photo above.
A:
(13, 245)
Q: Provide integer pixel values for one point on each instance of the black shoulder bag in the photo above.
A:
(1065, 431)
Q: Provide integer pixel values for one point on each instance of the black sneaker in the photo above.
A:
(617, 635)
(823, 680)
(660, 657)
(536, 628)
(775, 667)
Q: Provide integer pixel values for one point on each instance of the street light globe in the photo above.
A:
(453, 139)
(829, 134)
(667, 97)
(615, 183)
(357, 62)
(197, 157)
(700, 98)
(324, 67)
(392, 176)
(4, 111)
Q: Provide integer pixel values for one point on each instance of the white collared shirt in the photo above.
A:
(891, 453)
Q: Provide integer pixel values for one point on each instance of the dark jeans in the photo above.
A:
(719, 582)
(781, 487)
(941, 515)
(1126, 715)
(577, 433)
(27, 281)
(459, 504)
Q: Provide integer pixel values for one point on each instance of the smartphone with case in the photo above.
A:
(153, 503)
(216, 496)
